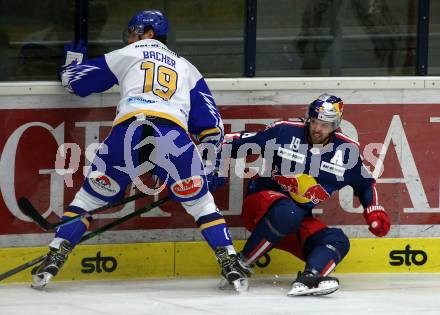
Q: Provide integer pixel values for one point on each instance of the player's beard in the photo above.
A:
(318, 137)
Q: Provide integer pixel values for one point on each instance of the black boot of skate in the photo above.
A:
(244, 266)
(234, 270)
(309, 283)
(55, 259)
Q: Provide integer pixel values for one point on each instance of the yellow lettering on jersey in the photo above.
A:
(166, 80)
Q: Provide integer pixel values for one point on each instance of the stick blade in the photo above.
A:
(28, 209)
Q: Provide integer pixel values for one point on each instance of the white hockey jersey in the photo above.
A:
(154, 81)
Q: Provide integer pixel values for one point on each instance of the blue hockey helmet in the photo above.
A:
(149, 18)
(327, 108)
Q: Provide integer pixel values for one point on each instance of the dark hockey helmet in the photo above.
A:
(326, 108)
(149, 18)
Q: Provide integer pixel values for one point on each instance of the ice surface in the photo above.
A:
(359, 294)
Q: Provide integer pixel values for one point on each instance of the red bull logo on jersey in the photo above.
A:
(188, 187)
(316, 194)
(103, 184)
(303, 188)
(288, 183)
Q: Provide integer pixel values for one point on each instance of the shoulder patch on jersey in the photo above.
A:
(345, 138)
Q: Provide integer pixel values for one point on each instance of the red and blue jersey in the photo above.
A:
(306, 173)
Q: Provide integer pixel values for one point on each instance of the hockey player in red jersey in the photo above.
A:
(310, 161)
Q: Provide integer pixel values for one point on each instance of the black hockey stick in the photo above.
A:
(25, 266)
(29, 210)
(88, 236)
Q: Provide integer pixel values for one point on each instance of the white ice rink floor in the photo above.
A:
(359, 294)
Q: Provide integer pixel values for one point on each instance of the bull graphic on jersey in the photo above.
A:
(303, 188)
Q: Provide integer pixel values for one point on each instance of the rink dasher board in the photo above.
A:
(402, 112)
(195, 259)
(412, 109)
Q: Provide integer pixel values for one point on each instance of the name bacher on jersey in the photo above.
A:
(308, 173)
(153, 81)
(158, 56)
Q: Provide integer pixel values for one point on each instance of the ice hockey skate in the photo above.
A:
(55, 259)
(234, 270)
(308, 283)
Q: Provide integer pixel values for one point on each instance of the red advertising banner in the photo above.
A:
(404, 136)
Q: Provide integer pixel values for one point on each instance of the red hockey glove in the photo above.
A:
(377, 220)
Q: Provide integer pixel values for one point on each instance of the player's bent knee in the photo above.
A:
(332, 238)
(337, 238)
(285, 216)
(86, 201)
(200, 207)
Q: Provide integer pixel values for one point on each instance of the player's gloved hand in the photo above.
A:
(212, 169)
(377, 220)
(75, 51)
(65, 78)
(214, 180)
(229, 137)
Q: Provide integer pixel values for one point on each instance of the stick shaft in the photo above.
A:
(88, 236)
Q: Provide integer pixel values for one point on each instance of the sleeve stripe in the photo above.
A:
(285, 122)
(375, 198)
(344, 137)
(229, 137)
(209, 132)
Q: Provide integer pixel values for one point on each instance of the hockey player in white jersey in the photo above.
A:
(164, 98)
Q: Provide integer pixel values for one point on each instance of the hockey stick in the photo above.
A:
(25, 266)
(29, 210)
(88, 236)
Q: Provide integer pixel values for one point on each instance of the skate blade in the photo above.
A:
(239, 285)
(324, 288)
(39, 281)
(224, 284)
